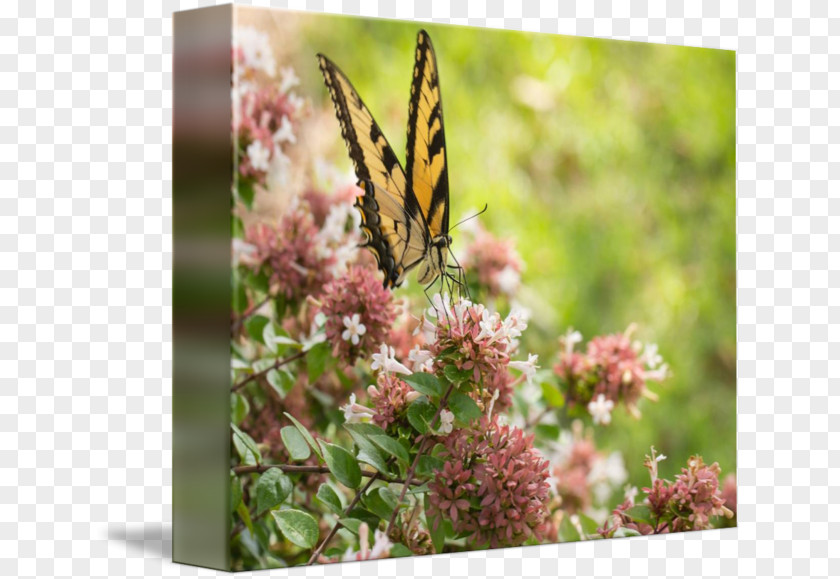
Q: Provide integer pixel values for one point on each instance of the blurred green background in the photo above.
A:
(612, 164)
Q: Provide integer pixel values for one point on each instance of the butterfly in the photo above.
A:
(405, 214)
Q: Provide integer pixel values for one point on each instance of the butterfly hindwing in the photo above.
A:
(426, 168)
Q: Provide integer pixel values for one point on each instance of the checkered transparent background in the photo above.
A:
(85, 283)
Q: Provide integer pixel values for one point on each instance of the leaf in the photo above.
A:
(242, 509)
(427, 465)
(316, 361)
(640, 514)
(295, 443)
(281, 380)
(368, 451)
(342, 465)
(239, 407)
(568, 532)
(245, 446)
(306, 436)
(589, 526)
(255, 326)
(374, 459)
(463, 407)
(400, 550)
(272, 488)
(420, 414)
(625, 532)
(381, 501)
(390, 446)
(438, 534)
(298, 527)
(351, 525)
(246, 192)
(553, 396)
(424, 383)
(235, 492)
(327, 495)
(453, 374)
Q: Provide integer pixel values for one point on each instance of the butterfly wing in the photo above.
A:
(426, 168)
(391, 217)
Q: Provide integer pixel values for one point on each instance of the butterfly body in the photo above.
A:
(405, 214)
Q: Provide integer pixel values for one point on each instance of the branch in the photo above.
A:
(338, 524)
(247, 314)
(410, 474)
(277, 364)
(536, 420)
(260, 468)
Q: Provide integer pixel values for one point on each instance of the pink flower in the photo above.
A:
(359, 313)
(492, 486)
(390, 397)
(494, 263)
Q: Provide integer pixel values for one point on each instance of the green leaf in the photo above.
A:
(589, 526)
(295, 443)
(245, 446)
(327, 495)
(453, 374)
(427, 465)
(235, 492)
(420, 414)
(298, 527)
(640, 514)
(242, 509)
(239, 407)
(463, 407)
(625, 532)
(390, 446)
(316, 360)
(552, 395)
(381, 501)
(374, 459)
(363, 428)
(424, 383)
(351, 525)
(281, 380)
(342, 465)
(306, 436)
(368, 451)
(568, 532)
(255, 326)
(246, 192)
(272, 488)
(400, 550)
(438, 535)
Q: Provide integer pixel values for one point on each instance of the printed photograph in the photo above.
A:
(484, 288)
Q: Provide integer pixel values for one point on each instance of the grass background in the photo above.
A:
(611, 163)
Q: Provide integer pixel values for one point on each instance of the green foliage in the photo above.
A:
(305, 434)
(273, 487)
(463, 407)
(298, 527)
(342, 465)
(295, 443)
(425, 384)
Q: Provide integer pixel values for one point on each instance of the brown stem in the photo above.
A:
(316, 469)
(277, 364)
(247, 314)
(536, 420)
(410, 474)
(338, 524)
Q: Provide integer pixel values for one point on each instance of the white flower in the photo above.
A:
(606, 474)
(335, 223)
(278, 172)
(288, 79)
(651, 356)
(508, 280)
(440, 305)
(259, 155)
(355, 329)
(296, 101)
(354, 412)
(243, 252)
(386, 361)
(256, 50)
(284, 133)
(571, 338)
(446, 420)
(601, 410)
(422, 360)
(528, 369)
(381, 545)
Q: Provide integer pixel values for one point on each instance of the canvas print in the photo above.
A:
(483, 289)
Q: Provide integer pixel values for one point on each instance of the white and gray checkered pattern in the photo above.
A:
(86, 248)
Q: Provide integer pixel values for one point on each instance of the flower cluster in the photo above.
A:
(265, 111)
(687, 504)
(582, 475)
(390, 397)
(493, 263)
(381, 547)
(492, 487)
(613, 370)
(359, 313)
(473, 338)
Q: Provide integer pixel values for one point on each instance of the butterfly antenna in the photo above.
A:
(468, 218)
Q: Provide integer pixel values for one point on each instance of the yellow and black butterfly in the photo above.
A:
(405, 214)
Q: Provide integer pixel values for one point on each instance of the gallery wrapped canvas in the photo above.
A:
(398, 336)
